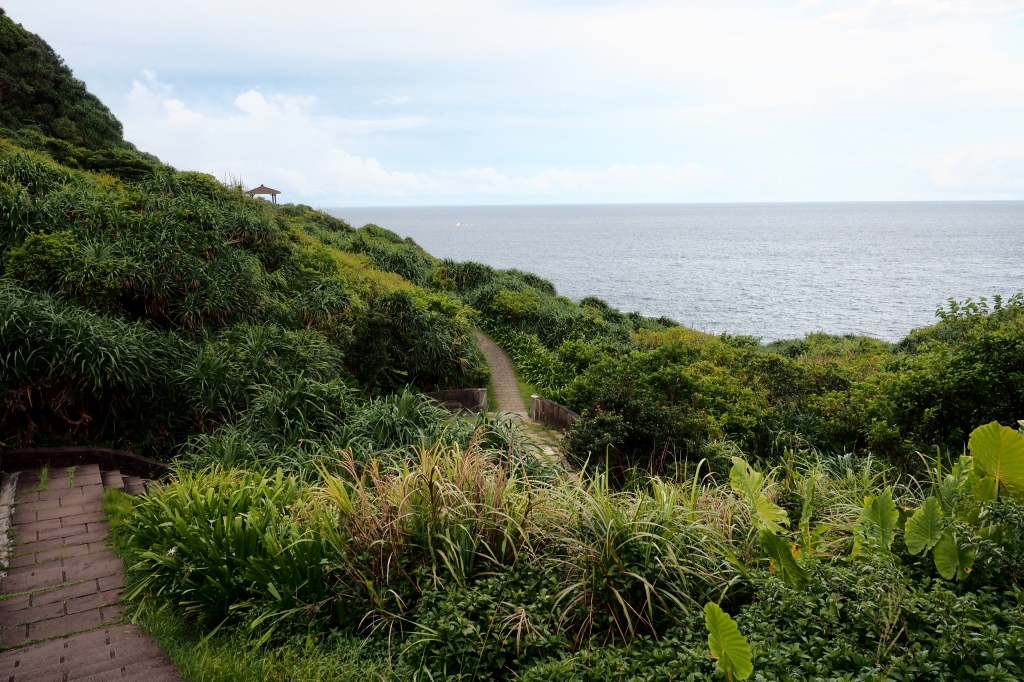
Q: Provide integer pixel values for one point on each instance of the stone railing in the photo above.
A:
(472, 399)
(549, 412)
(129, 463)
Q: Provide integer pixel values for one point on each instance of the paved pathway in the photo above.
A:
(503, 378)
(547, 441)
(62, 581)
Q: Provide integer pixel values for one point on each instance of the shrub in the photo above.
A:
(42, 260)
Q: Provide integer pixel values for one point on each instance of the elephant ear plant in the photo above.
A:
(768, 518)
(946, 523)
(728, 646)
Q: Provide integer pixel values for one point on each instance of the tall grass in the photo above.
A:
(363, 544)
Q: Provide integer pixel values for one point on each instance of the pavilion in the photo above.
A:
(263, 189)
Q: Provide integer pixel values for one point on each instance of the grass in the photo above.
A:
(492, 397)
(71, 476)
(44, 477)
(526, 389)
(236, 656)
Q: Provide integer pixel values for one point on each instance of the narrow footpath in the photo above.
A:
(503, 377)
(61, 593)
(509, 399)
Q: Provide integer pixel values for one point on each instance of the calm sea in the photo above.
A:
(770, 270)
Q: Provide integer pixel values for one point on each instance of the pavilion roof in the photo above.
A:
(262, 189)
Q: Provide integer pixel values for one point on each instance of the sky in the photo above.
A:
(419, 102)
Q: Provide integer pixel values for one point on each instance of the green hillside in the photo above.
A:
(38, 93)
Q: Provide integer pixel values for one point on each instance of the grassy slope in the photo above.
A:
(163, 272)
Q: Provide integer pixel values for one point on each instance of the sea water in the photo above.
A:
(768, 270)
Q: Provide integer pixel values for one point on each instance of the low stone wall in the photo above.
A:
(472, 399)
(549, 412)
(23, 459)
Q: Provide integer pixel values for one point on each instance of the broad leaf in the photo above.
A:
(764, 513)
(952, 560)
(877, 523)
(998, 453)
(783, 562)
(924, 528)
(728, 646)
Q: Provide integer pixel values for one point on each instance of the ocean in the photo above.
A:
(769, 270)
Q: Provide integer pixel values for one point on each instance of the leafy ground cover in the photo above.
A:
(464, 565)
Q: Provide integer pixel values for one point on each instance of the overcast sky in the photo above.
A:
(389, 102)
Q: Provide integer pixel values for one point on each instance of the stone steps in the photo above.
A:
(60, 597)
(133, 485)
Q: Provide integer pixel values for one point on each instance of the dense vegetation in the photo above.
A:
(144, 312)
(327, 522)
(39, 93)
(461, 565)
(657, 395)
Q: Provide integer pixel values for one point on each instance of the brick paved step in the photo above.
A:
(113, 479)
(68, 586)
(99, 654)
(503, 377)
(143, 670)
(101, 661)
(134, 485)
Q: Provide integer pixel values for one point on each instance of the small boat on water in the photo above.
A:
(460, 224)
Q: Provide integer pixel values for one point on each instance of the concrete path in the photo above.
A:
(546, 441)
(63, 581)
(503, 378)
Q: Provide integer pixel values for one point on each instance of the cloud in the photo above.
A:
(276, 139)
(997, 174)
(611, 100)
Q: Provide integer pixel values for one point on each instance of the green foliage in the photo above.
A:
(219, 543)
(195, 300)
(728, 646)
(40, 262)
(679, 391)
(782, 561)
(876, 527)
(952, 559)
(513, 306)
(473, 571)
(764, 513)
(38, 91)
(924, 527)
(998, 453)
(596, 436)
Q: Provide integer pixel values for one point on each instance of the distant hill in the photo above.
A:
(38, 92)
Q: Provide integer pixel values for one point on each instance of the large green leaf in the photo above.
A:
(877, 523)
(998, 453)
(764, 513)
(952, 560)
(728, 646)
(924, 528)
(785, 565)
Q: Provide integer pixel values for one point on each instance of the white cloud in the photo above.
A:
(996, 173)
(276, 140)
(609, 100)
